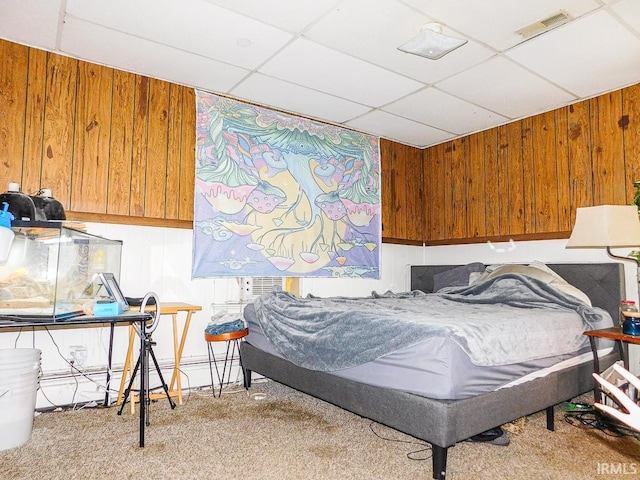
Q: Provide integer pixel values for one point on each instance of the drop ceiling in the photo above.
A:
(337, 60)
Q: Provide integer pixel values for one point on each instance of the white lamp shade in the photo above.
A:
(606, 226)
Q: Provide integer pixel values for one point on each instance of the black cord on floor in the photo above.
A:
(596, 420)
(411, 455)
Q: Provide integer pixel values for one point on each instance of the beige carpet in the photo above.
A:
(289, 435)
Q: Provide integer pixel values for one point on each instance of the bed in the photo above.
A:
(449, 410)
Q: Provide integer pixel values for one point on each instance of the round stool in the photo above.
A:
(232, 339)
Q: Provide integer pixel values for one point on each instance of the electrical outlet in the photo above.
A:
(79, 355)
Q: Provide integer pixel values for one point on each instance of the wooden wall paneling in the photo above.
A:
(529, 173)
(400, 197)
(436, 197)
(139, 158)
(474, 175)
(34, 121)
(516, 192)
(172, 188)
(562, 164)
(427, 192)
(459, 211)
(187, 154)
(501, 170)
(545, 169)
(13, 80)
(386, 186)
(414, 197)
(59, 127)
(121, 143)
(630, 124)
(91, 138)
(580, 159)
(491, 185)
(608, 151)
(157, 140)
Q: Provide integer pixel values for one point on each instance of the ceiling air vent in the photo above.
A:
(545, 25)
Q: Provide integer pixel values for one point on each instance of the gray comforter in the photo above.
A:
(508, 319)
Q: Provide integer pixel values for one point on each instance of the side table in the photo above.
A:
(232, 339)
(622, 341)
(175, 386)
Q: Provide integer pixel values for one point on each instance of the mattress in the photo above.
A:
(435, 368)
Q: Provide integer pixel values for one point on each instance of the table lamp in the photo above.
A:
(608, 226)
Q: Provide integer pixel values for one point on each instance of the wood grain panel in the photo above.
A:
(13, 78)
(156, 168)
(458, 223)
(447, 198)
(427, 193)
(121, 143)
(172, 188)
(400, 198)
(414, 200)
(491, 185)
(529, 173)
(433, 177)
(34, 121)
(545, 177)
(59, 127)
(608, 151)
(562, 167)
(516, 173)
(386, 169)
(630, 124)
(474, 174)
(140, 136)
(91, 138)
(134, 153)
(501, 171)
(580, 161)
(187, 154)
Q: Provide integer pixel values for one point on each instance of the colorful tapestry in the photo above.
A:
(282, 196)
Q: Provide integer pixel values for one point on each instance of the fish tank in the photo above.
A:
(53, 271)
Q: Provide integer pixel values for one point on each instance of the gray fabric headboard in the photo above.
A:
(602, 282)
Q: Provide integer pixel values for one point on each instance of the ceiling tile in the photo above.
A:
(321, 68)
(629, 12)
(278, 94)
(495, 23)
(105, 46)
(32, 22)
(446, 112)
(361, 28)
(285, 14)
(504, 87)
(606, 56)
(399, 129)
(195, 26)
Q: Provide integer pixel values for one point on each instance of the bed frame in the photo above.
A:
(443, 423)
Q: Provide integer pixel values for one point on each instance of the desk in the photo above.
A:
(86, 320)
(175, 386)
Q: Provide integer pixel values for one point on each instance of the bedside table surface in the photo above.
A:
(614, 333)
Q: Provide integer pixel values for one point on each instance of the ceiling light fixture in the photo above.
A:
(431, 42)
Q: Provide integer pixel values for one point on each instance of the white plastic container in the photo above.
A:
(19, 383)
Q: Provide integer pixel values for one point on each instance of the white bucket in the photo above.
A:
(19, 360)
(19, 383)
